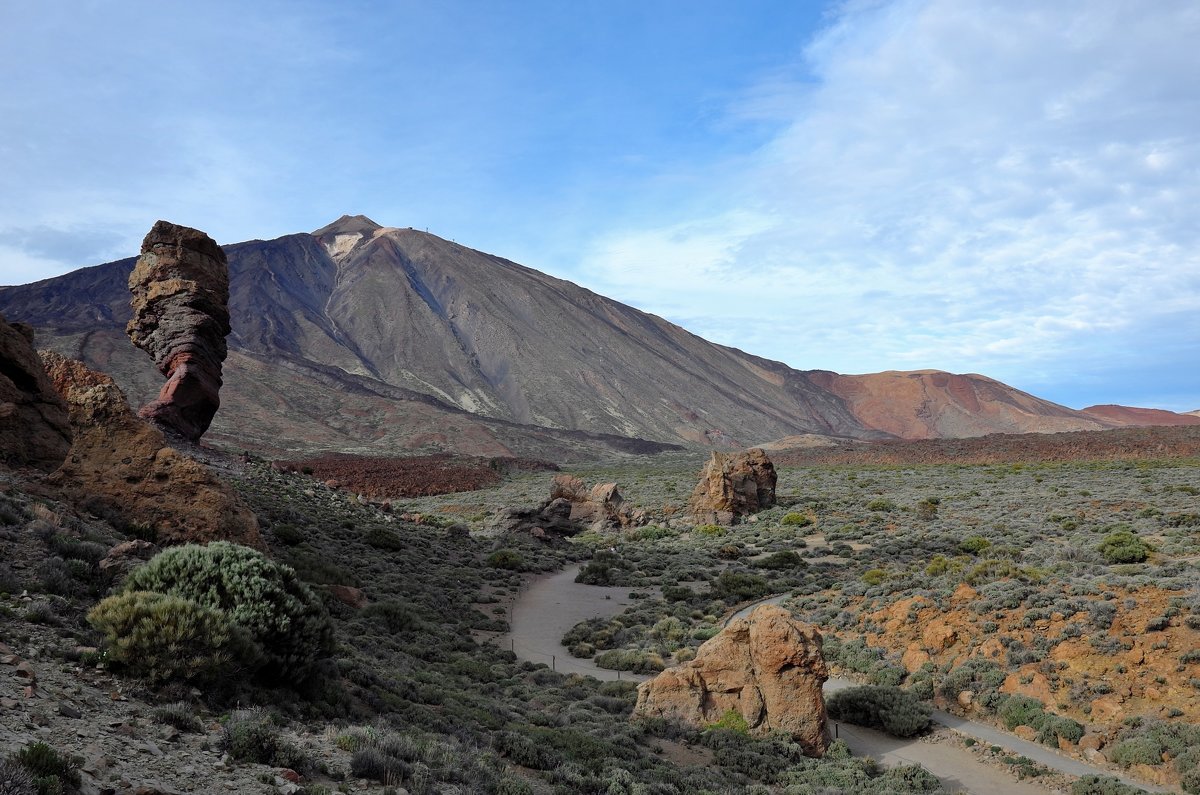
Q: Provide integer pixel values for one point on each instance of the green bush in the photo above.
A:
(710, 530)
(974, 545)
(52, 773)
(874, 576)
(737, 586)
(281, 614)
(795, 519)
(1137, 751)
(733, 721)
(787, 559)
(1018, 710)
(1124, 547)
(1103, 785)
(881, 505)
(506, 559)
(252, 736)
(895, 711)
(161, 637)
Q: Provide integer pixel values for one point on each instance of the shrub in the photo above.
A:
(787, 559)
(874, 576)
(1137, 751)
(282, 615)
(740, 586)
(384, 538)
(1018, 710)
(733, 721)
(895, 711)
(50, 771)
(1103, 785)
(795, 519)
(180, 716)
(394, 616)
(252, 736)
(506, 559)
(881, 505)
(15, 780)
(710, 530)
(974, 545)
(1124, 547)
(162, 637)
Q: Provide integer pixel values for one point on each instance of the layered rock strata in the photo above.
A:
(180, 287)
(34, 427)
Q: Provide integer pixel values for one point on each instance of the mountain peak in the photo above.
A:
(345, 234)
(349, 225)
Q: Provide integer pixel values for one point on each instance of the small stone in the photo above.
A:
(289, 774)
(67, 711)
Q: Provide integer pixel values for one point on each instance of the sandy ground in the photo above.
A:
(551, 604)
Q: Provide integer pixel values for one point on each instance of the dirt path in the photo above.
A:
(551, 604)
(990, 735)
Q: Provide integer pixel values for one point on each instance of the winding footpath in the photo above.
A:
(550, 605)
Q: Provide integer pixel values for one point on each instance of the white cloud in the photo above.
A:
(968, 185)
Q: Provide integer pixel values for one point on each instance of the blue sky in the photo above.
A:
(1007, 188)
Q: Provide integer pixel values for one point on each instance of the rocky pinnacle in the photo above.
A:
(180, 288)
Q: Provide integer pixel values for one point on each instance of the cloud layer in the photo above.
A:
(997, 187)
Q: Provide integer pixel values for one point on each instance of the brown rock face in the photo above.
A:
(766, 667)
(733, 485)
(180, 288)
(34, 428)
(601, 508)
(125, 464)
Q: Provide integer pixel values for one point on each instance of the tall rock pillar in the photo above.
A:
(180, 288)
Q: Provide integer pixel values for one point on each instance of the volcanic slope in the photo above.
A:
(362, 337)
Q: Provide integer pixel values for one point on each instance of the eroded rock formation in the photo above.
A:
(34, 428)
(571, 509)
(180, 288)
(601, 508)
(123, 465)
(733, 485)
(766, 667)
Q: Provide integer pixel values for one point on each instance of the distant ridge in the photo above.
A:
(1124, 416)
(361, 337)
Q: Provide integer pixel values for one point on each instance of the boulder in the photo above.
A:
(732, 486)
(180, 288)
(572, 508)
(766, 668)
(125, 464)
(34, 427)
(126, 556)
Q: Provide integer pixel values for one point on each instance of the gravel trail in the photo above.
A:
(551, 604)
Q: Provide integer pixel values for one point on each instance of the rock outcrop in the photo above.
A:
(733, 485)
(123, 465)
(571, 509)
(766, 668)
(601, 508)
(180, 288)
(34, 427)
